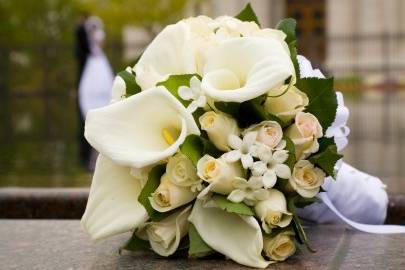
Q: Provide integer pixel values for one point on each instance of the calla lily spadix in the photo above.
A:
(171, 52)
(112, 207)
(140, 130)
(244, 68)
(237, 237)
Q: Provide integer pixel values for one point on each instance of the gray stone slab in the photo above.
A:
(61, 244)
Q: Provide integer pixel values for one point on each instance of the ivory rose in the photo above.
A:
(273, 211)
(306, 179)
(169, 196)
(218, 127)
(287, 105)
(304, 134)
(164, 236)
(219, 174)
(181, 171)
(269, 133)
(280, 247)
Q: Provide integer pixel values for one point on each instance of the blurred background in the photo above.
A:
(362, 43)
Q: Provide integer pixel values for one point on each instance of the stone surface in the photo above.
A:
(69, 203)
(60, 244)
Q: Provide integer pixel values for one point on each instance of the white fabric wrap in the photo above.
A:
(354, 195)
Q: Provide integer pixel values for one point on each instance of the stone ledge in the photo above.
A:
(69, 203)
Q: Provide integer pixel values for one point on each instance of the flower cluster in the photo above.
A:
(215, 136)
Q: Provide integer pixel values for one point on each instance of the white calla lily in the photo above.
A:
(237, 237)
(243, 68)
(140, 130)
(113, 206)
(171, 52)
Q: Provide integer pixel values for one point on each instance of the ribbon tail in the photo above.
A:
(368, 228)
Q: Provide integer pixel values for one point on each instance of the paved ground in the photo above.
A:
(60, 244)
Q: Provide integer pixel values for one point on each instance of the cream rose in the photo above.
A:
(304, 134)
(279, 247)
(306, 179)
(273, 211)
(164, 236)
(169, 196)
(288, 105)
(269, 133)
(219, 174)
(181, 171)
(218, 127)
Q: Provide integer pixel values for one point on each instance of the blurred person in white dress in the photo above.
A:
(97, 77)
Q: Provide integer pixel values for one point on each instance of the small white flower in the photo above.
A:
(249, 191)
(270, 165)
(193, 93)
(242, 149)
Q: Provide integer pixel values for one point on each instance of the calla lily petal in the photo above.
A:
(140, 130)
(171, 52)
(113, 206)
(244, 68)
(212, 224)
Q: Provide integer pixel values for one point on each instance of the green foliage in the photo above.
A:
(327, 159)
(131, 86)
(174, 82)
(300, 233)
(322, 99)
(151, 185)
(248, 15)
(231, 207)
(198, 248)
(135, 243)
(195, 147)
(288, 26)
(291, 153)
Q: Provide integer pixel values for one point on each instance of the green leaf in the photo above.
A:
(135, 243)
(253, 112)
(198, 248)
(327, 159)
(302, 237)
(231, 207)
(151, 185)
(131, 86)
(195, 147)
(248, 15)
(322, 99)
(231, 108)
(288, 26)
(291, 153)
(324, 142)
(175, 81)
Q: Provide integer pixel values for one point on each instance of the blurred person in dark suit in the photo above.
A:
(82, 51)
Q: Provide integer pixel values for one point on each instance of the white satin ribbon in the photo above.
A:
(377, 229)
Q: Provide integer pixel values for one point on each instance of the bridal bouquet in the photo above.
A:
(211, 142)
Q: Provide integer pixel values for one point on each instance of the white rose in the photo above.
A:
(181, 171)
(304, 134)
(218, 173)
(169, 196)
(288, 105)
(118, 89)
(218, 127)
(306, 179)
(279, 247)
(269, 133)
(273, 211)
(164, 236)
